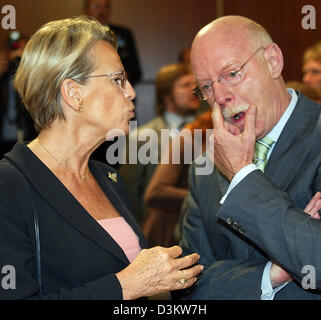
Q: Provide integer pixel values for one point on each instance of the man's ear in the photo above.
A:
(71, 94)
(274, 59)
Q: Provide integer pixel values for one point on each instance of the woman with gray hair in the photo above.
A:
(66, 230)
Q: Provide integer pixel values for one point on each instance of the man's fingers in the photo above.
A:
(312, 203)
(315, 210)
(217, 117)
(250, 121)
(231, 128)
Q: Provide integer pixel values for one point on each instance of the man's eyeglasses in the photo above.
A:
(230, 78)
(120, 77)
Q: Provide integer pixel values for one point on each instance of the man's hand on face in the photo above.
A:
(232, 148)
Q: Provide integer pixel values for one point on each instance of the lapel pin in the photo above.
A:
(113, 177)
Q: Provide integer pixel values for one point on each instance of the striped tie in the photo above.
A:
(262, 148)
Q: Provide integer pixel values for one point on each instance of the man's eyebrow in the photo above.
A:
(231, 65)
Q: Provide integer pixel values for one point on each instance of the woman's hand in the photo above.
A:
(158, 270)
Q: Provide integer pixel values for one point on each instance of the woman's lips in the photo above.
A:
(132, 113)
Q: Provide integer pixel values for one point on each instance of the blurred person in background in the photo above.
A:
(312, 66)
(15, 122)
(176, 106)
(101, 10)
(166, 192)
(312, 93)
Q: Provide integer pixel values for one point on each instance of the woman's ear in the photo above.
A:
(274, 59)
(71, 94)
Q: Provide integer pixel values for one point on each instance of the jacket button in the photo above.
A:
(242, 230)
(235, 225)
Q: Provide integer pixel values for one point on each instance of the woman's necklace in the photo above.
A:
(83, 177)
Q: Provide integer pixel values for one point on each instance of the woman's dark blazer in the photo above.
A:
(79, 259)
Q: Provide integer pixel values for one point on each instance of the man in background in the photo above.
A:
(101, 11)
(15, 121)
(312, 66)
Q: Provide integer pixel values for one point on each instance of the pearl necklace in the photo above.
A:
(83, 177)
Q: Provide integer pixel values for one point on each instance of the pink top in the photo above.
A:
(123, 234)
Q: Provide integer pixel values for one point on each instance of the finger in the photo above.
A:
(310, 205)
(192, 272)
(250, 122)
(189, 276)
(186, 261)
(231, 128)
(315, 209)
(180, 286)
(312, 202)
(174, 251)
(217, 117)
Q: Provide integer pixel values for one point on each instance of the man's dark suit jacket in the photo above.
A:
(23, 121)
(79, 259)
(234, 264)
(128, 53)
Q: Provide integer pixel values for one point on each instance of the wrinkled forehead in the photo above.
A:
(213, 55)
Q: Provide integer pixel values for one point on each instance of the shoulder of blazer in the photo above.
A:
(9, 174)
(15, 193)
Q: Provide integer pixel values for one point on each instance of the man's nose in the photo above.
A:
(222, 94)
(307, 77)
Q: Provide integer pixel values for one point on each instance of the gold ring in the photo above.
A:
(182, 280)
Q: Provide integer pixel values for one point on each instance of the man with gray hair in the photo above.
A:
(246, 220)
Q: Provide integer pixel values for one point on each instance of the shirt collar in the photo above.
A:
(275, 133)
(174, 120)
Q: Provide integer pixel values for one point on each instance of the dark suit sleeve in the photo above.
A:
(17, 248)
(271, 220)
(221, 279)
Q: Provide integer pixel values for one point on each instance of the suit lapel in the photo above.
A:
(64, 203)
(289, 153)
(109, 188)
